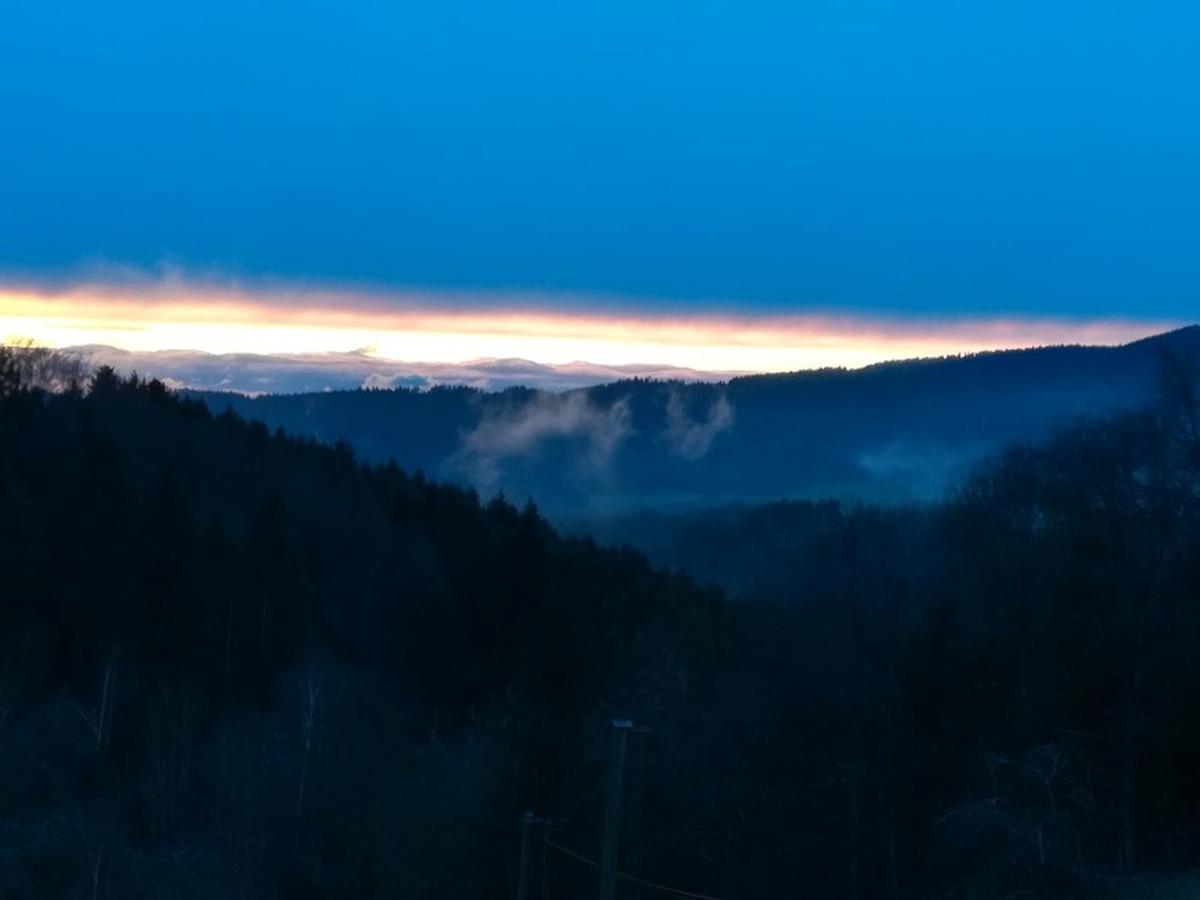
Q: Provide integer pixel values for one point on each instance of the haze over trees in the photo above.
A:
(890, 432)
(239, 664)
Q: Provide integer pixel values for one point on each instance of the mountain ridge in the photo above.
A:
(896, 431)
(289, 373)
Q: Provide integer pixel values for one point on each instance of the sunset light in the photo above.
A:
(399, 328)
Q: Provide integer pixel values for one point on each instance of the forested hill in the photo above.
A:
(898, 430)
(239, 665)
(234, 664)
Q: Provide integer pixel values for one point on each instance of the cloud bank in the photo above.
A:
(173, 313)
(253, 374)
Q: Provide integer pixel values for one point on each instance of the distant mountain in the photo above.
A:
(254, 374)
(891, 431)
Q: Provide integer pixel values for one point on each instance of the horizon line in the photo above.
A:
(430, 327)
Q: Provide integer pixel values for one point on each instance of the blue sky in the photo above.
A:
(921, 158)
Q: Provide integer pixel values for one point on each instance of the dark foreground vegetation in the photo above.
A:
(234, 664)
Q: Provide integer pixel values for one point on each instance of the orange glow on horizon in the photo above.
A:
(418, 331)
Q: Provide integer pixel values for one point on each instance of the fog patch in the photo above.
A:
(692, 439)
(511, 433)
(924, 469)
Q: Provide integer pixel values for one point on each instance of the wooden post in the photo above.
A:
(633, 830)
(523, 872)
(612, 810)
(545, 870)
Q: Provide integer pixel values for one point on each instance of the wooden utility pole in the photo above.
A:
(612, 810)
(633, 830)
(523, 872)
(545, 869)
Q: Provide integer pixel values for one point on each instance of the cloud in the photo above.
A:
(522, 430)
(691, 439)
(170, 310)
(250, 373)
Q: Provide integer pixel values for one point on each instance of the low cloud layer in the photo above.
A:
(303, 373)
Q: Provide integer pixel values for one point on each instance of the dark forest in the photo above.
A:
(236, 663)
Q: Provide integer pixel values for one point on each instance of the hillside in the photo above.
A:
(893, 431)
(228, 659)
(237, 664)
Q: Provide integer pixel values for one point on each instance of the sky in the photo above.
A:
(790, 184)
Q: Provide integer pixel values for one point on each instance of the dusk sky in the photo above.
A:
(726, 186)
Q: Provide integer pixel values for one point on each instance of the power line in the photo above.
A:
(652, 885)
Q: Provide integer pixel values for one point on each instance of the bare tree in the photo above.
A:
(99, 716)
(25, 366)
(311, 710)
(1179, 385)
